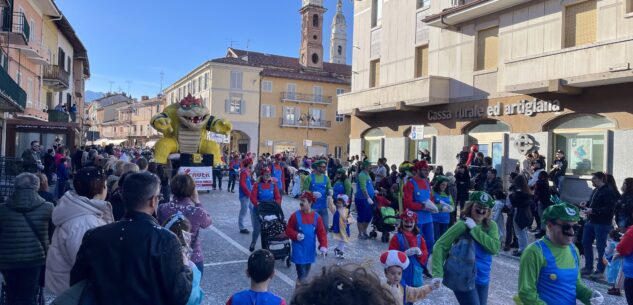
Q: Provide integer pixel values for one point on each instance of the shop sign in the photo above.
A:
(525, 107)
(201, 176)
(417, 132)
(47, 127)
(218, 138)
(307, 143)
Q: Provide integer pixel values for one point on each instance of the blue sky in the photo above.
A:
(134, 40)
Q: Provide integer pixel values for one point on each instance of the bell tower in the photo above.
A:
(338, 41)
(311, 53)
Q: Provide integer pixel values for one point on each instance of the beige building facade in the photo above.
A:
(231, 92)
(511, 76)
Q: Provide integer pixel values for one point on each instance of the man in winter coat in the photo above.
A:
(600, 211)
(137, 249)
(493, 184)
(32, 161)
(24, 229)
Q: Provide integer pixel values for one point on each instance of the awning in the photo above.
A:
(97, 142)
(150, 144)
(116, 141)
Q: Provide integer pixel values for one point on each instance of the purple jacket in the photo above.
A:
(196, 214)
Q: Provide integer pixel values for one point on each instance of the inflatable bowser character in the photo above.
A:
(185, 127)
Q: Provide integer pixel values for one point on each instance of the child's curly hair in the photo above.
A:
(343, 285)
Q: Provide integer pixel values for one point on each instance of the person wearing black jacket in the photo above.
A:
(134, 261)
(558, 169)
(462, 179)
(624, 206)
(493, 184)
(600, 211)
(521, 200)
(542, 198)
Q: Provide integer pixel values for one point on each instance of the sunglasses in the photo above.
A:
(566, 227)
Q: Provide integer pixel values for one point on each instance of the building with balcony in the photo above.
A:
(511, 76)
(275, 102)
(105, 118)
(51, 65)
(136, 118)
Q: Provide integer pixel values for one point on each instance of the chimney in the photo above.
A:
(144, 98)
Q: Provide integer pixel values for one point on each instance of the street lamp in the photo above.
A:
(307, 118)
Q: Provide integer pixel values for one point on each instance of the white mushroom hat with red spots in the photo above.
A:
(394, 258)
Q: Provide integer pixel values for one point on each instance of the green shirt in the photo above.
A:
(362, 181)
(348, 188)
(319, 179)
(533, 260)
(488, 240)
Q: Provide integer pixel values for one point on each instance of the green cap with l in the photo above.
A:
(563, 211)
(482, 198)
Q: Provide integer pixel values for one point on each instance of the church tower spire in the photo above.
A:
(338, 40)
(311, 52)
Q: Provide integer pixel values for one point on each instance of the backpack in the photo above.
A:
(388, 215)
(459, 267)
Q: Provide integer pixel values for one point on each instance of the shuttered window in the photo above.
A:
(487, 48)
(268, 111)
(374, 73)
(236, 79)
(235, 104)
(422, 61)
(580, 23)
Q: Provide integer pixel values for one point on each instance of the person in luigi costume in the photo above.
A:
(549, 272)
(478, 224)
(319, 184)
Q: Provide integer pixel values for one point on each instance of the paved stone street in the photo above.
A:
(226, 252)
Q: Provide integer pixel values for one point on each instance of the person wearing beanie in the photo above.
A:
(477, 227)
(549, 272)
(319, 183)
(394, 262)
(244, 190)
(410, 241)
(341, 219)
(305, 227)
(265, 190)
(417, 198)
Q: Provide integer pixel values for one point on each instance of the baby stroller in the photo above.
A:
(384, 219)
(273, 227)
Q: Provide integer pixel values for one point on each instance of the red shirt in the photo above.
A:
(408, 190)
(383, 202)
(413, 242)
(625, 246)
(291, 228)
(266, 186)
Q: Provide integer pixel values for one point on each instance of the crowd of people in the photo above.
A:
(115, 220)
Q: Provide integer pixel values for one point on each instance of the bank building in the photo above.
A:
(512, 76)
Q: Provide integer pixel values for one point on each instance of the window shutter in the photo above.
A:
(297, 115)
(272, 111)
(242, 105)
(227, 106)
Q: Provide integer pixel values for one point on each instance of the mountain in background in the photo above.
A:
(91, 95)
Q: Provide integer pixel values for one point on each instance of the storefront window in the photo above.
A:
(583, 138)
(49, 138)
(23, 141)
(372, 146)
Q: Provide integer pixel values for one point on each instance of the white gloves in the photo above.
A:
(370, 201)
(300, 236)
(413, 251)
(447, 208)
(436, 283)
(330, 192)
(429, 206)
(470, 223)
(323, 250)
(317, 195)
(596, 298)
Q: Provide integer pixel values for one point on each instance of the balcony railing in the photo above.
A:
(16, 26)
(305, 98)
(296, 124)
(55, 77)
(58, 116)
(12, 97)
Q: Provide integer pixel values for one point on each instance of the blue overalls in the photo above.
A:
(442, 217)
(338, 189)
(321, 203)
(412, 276)
(425, 220)
(555, 285)
(304, 252)
(483, 264)
(265, 195)
(278, 173)
(249, 184)
(250, 297)
(363, 208)
(336, 227)
(627, 266)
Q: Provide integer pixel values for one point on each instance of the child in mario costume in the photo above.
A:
(184, 127)
(305, 227)
(394, 263)
(410, 241)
